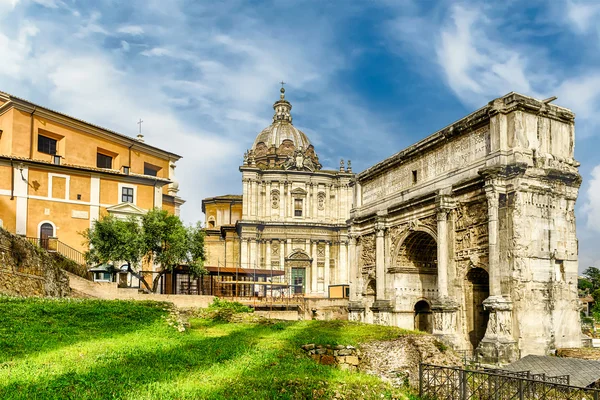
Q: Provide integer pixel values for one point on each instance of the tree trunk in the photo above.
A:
(155, 283)
(140, 277)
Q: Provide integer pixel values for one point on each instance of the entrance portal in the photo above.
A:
(423, 317)
(46, 232)
(477, 289)
(298, 280)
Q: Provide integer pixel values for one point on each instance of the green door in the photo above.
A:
(298, 279)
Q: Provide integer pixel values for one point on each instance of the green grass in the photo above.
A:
(91, 349)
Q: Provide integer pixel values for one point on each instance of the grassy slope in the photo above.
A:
(114, 349)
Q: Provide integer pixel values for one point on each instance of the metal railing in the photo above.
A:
(442, 382)
(70, 253)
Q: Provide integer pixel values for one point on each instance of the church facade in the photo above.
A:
(468, 234)
(294, 214)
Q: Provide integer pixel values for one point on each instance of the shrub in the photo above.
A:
(224, 310)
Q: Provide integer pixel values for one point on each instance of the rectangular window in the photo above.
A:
(127, 195)
(46, 145)
(103, 161)
(297, 207)
(151, 170)
(414, 177)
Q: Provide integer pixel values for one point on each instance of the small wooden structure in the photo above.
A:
(226, 282)
(339, 292)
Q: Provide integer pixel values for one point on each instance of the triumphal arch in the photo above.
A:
(470, 233)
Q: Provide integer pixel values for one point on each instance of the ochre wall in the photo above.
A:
(68, 229)
(8, 212)
(6, 123)
(78, 148)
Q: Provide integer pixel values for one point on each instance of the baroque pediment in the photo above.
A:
(126, 209)
(299, 192)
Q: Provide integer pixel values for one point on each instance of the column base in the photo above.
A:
(498, 345)
(382, 306)
(444, 316)
(382, 312)
(497, 352)
(356, 306)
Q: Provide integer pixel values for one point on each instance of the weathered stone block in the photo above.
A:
(352, 360)
(327, 360)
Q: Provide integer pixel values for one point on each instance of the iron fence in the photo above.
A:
(453, 383)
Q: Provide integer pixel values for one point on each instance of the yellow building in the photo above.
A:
(58, 173)
(222, 242)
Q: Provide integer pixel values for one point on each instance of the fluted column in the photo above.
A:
(282, 255)
(498, 345)
(380, 260)
(353, 266)
(494, 255)
(268, 201)
(245, 199)
(342, 275)
(244, 253)
(252, 258)
(313, 272)
(327, 272)
(268, 255)
(442, 253)
(281, 201)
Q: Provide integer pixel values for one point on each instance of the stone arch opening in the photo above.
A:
(371, 289)
(418, 250)
(423, 316)
(477, 289)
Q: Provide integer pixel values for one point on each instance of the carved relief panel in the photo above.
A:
(471, 234)
(367, 253)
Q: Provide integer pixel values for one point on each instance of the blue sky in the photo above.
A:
(366, 78)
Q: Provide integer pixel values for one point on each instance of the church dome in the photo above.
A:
(281, 145)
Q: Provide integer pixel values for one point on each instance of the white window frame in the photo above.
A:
(129, 186)
(67, 185)
(39, 227)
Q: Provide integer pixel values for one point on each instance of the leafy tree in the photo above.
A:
(584, 285)
(112, 239)
(157, 237)
(171, 244)
(593, 275)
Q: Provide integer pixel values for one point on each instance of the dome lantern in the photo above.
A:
(281, 145)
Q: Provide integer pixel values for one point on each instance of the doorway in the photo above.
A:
(423, 317)
(46, 232)
(477, 289)
(298, 280)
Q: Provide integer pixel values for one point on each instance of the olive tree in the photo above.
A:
(156, 237)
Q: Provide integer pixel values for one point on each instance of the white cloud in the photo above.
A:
(15, 51)
(582, 15)
(592, 204)
(8, 3)
(582, 94)
(476, 65)
(156, 52)
(49, 3)
(134, 30)
(210, 114)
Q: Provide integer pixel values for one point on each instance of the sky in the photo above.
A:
(365, 78)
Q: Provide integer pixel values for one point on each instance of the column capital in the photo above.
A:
(444, 203)
(492, 194)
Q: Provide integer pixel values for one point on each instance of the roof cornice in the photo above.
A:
(72, 122)
(101, 171)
